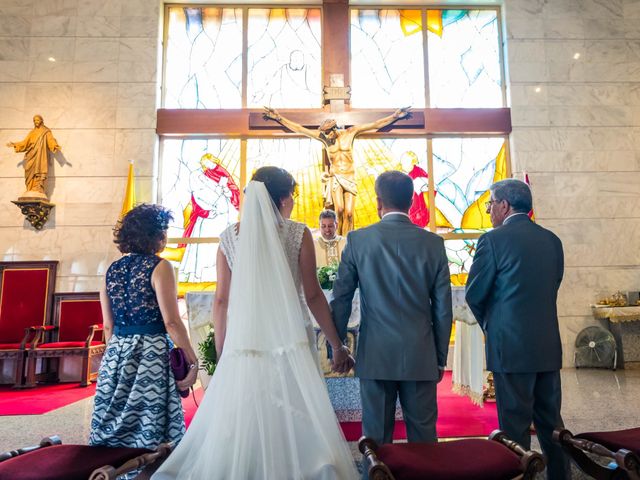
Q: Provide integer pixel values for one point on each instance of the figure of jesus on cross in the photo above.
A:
(340, 188)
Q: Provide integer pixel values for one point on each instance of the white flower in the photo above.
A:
(332, 277)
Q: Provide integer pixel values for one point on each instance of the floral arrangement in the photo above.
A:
(208, 354)
(327, 275)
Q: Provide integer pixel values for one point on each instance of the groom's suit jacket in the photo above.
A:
(405, 300)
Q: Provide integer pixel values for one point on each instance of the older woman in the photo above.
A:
(137, 402)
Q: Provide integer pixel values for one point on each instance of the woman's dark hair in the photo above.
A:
(142, 229)
(279, 183)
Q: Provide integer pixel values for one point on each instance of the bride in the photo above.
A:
(266, 413)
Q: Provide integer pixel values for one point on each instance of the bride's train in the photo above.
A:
(264, 416)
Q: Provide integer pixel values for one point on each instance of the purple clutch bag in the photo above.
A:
(180, 367)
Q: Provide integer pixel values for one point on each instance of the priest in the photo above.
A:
(329, 245)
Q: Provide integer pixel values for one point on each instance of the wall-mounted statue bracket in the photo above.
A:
(36, 210)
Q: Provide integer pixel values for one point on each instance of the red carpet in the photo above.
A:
(42, 399)
(457, 416)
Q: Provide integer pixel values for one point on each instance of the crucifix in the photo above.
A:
(340, 189)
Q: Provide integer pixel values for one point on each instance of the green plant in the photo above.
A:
(208, 354)
(327, 275)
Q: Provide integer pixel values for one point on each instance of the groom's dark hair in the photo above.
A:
(395, 190)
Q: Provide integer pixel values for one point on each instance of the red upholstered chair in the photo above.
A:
(76, 319)
(26, 292)
(53, 461)
(612, 455)
(495, 459)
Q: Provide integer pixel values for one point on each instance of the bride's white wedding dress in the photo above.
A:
(266, 413)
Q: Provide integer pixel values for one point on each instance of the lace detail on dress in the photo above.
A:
(228, 240)
(133, 301)
(290, 234)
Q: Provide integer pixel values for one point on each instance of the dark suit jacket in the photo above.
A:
(512, 291)
(405, 300)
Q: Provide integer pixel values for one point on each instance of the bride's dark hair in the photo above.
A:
(278, 182)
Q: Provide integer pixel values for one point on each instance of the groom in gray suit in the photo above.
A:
(512, 290)
(405, 322)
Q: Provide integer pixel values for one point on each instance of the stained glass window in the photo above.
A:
(303, 159)
(387, 61)
(464, 59)
(208, 56)
(464, 168)
(200, 182)
(284, 64)
(203, 66)
(460, 255)
(372, 157)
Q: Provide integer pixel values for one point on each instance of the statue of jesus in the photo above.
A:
(340, 179)
(36, 146)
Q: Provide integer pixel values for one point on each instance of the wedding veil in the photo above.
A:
(264, 310)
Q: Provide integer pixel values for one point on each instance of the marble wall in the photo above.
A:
(574, 73)
(574, 76)
(99, 99)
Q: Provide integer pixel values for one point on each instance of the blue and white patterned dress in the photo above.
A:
(136, 402)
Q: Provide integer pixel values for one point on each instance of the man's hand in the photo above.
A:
(342, 360)
(271, 114)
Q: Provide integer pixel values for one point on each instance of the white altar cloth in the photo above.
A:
(468, 353)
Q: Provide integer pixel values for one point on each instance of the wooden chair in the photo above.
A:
(613, 455)
(26, 293)
(497, 458)
(50, 460)
(76, 319)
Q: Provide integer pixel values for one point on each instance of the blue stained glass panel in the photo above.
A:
(464, 61)
(200, 183)
(463, 170)
(387, 60)
(460, 256)
(284, 62)
(203, 63)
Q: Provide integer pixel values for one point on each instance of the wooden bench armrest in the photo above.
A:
(530, 461)
(109, 472)
(45, 442)
(624, 458)
(377, 469)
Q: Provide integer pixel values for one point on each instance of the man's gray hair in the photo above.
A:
(328, 214)
(515, 192)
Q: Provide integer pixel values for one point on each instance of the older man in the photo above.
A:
(329, 245)
(512, 290)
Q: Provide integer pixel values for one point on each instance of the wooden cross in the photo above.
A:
(313, 118)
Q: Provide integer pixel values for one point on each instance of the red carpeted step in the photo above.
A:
(41, 399)
(457, 416)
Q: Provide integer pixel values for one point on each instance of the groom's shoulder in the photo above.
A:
(364, 231)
